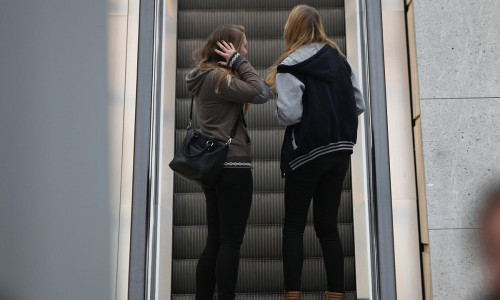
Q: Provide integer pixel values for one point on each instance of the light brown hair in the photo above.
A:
(207, 58)
(303, 27)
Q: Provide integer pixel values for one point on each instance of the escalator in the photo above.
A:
(260, 273)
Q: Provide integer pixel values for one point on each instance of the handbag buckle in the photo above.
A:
(209, 144)
(229, 141)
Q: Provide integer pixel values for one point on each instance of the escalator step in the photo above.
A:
(265, 276)
(255, 4)
(259, 241)
(258, 23)
(262, 53)
(276, 296)
(266, 178)
(267, 209)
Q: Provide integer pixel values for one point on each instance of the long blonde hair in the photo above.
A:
(207, 58)
(303, 27)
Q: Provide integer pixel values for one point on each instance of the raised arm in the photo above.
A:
(249, 87)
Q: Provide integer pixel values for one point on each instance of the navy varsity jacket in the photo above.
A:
(326, 119)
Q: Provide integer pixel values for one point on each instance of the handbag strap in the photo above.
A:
(235, 126)
(191, 113)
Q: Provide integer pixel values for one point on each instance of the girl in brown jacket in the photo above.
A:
(224, 83)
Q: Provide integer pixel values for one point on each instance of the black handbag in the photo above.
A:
(201, 157)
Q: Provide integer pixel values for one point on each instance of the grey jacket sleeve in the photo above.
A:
(289, 102)
(358, 95)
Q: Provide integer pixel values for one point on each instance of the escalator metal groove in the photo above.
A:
(262, 23)
(255, 4)
(267, 209)
(260, 273)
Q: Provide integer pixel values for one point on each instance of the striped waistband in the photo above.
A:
(333, 147)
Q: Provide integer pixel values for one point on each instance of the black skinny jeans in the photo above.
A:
(228, 207)
(321, 180)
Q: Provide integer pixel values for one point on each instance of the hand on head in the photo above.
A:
(227, 51)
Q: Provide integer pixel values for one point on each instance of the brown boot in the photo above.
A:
(334, 296)
(292, 295)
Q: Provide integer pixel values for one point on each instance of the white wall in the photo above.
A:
(54, 160)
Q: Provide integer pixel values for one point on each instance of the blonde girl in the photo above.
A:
(319, 101)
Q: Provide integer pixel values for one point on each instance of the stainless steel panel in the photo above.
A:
(359, 168)
(383, 264)
(167, 135)
(155, 146)
(143, 185)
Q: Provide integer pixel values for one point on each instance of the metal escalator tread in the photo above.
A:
(255, 4)
(266, 274)
(269, 296)
(267, 209)
(259, 241)
(258, 23)
(260, 273)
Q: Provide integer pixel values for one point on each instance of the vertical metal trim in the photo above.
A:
(157, 89)
(166, 136)
(165, 122)
(360, 167)
(383, 265)
(128, 149)
(141, 182)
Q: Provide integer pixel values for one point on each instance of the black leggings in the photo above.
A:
(228, 207)
(322, 180)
